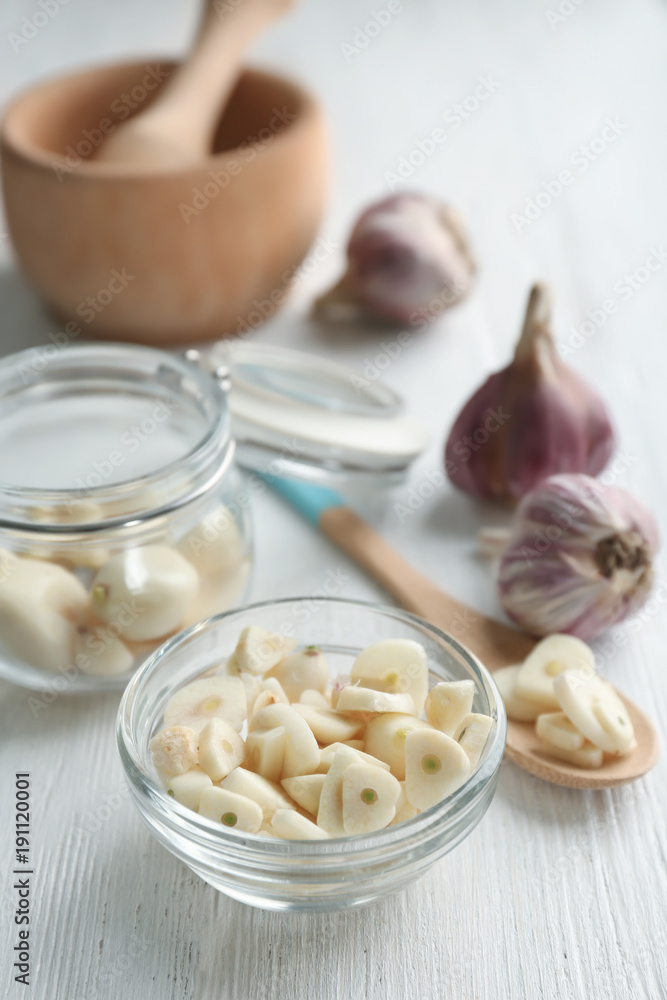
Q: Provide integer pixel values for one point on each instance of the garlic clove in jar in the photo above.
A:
(396, 666)
(306, 668)
(535, 418)
(579, 558)
(146, 590)
(215, 544)
(41, 605)
(408, 260)
(100, 652)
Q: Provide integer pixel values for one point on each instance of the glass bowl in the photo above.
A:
(293, 874)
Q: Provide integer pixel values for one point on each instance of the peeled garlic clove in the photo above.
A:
(579, 558)
(594, 708)
(435, 766)
(274, 687)
(327, 725)
(41, 605)
(556, 728)
(302, 754)
(221, 749)
(385, 739)
(306, 790)
(74, 512)
(175, 751)
(258, 650)
(397, 666)
(205, 699)
(266, 794)
(290, 825)
(265, 751)
(407, 261)
(368, 702)
(188, 788)
(369, 798)
(215, 544)
(307, 668)
(516, 708)
(98, 652)
(330, 809)
(235, 812)
(313, 698)
(587, 756)
(472, 734)
(551, 657)
(449, 702)
(535, 418)
(146, 590)
(327, 755)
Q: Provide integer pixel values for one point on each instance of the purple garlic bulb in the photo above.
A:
(579, 558)
(533, 419)
(407, 261)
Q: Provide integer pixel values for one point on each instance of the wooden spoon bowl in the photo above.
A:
(202, 251)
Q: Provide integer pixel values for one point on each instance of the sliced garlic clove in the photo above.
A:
(307, 668)
(258, 650)
(275, 688)
(266, 794)
(330, 810)
(448, 703)
(397, 666)
(327, 725)
(516, 708)
(385, 739)
(327, 755)
(313, 698)
(235, 812)
(551, 657)
(302, 754)
(99, 653)
(594, 708)
(588, 756)
(40, 606)
(556, 728)
(175, 751)
(404, 810)
(290, 825)
(205, 699)
(221, 749)
(340, 682)
(215, 544)
(435, 766)
(306, 790)
(188, 788)
(472, 734)
(368, 702)
(369, 798)
(265, 750)
(146, 591)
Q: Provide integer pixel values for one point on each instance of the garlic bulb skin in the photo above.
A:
(579, 558)
(407, 261)
(535, 418)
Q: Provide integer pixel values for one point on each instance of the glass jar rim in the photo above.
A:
(190, 475)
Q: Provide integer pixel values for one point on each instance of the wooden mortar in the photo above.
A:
(131, 253)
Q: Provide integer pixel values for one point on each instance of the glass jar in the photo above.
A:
(123, 518)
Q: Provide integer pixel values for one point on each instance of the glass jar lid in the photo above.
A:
(303, 415)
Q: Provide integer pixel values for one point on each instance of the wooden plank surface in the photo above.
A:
(557, 894)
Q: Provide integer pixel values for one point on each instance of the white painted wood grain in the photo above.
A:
(557, 894)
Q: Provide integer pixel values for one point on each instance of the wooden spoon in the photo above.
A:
(177, 128)
(495, 644)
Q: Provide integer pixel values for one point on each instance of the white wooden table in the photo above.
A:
(557, 894)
